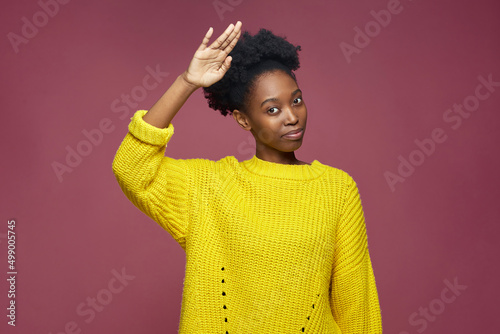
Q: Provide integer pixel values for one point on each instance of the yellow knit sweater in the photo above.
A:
(270, 248)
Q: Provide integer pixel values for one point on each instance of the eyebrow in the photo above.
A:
(276, 99)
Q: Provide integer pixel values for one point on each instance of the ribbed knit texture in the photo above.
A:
(270, 248)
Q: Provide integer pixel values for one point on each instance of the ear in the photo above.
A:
(241, 119)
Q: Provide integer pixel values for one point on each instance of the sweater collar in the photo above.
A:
(283, 171)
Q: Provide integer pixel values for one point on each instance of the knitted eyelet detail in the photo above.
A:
(303, 329)
(224, 294)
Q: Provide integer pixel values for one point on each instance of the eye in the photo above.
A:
(272, 109)
(299, 98)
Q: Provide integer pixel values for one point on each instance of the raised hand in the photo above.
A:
(210, 63)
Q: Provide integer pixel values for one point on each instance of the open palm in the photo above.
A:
(210, 63)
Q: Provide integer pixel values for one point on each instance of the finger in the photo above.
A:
(238, 26)
(231, 46)
(204, 43)
(219, 41)
(226, 64)
(229, 39)
(234, 35)
(236, 30)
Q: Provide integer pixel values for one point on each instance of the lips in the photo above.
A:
(293, 132)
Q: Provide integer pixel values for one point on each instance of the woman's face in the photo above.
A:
(275, 107)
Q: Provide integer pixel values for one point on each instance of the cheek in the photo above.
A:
(266, 133)
(271, 130)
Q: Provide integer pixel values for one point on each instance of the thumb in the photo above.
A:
(227, 63)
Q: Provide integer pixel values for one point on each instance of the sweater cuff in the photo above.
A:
(148, 133)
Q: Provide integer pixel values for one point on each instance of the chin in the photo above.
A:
(292, 146)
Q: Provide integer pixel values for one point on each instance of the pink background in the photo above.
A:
(440, 224)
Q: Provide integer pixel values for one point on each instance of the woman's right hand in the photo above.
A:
(210, 63)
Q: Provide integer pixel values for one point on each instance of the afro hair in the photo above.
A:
(251, 56)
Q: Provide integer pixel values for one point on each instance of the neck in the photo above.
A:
(285, 158)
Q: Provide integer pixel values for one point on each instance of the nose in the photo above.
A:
(291, 116)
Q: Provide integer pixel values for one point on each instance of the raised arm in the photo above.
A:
(209, 64)
(156, 184)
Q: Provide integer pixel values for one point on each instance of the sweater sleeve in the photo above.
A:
(354, 296)
(156, 184)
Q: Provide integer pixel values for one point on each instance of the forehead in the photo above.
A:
(274, 84)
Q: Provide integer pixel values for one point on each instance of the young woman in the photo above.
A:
(273, 244)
